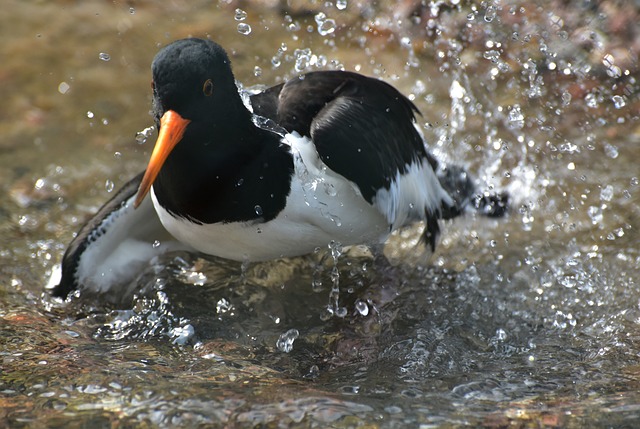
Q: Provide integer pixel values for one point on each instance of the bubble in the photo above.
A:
(90, 114)
(341, 4)
(244, 28)
(285, 341)
(109, 185)
(132, 10)
(258, 210)
(104, 56)
(257, 71)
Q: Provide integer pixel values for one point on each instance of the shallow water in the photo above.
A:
(532, 320)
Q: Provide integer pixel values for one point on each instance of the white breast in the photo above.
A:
(322, 206)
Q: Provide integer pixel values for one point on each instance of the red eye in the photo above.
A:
(207, 88)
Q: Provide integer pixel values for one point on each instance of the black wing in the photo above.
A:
(358, 124)
(112, 246)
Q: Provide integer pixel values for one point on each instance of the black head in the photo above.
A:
(195, 101)
(192, 77)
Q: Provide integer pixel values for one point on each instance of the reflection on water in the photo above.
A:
(529, 320)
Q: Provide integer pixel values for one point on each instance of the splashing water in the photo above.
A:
(285, 341)
(334, 308)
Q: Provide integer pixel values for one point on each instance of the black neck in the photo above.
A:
(226, 173)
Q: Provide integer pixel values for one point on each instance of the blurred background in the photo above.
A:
(528, 321)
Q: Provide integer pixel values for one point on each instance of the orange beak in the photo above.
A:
(172, 127)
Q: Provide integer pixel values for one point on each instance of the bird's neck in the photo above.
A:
(215, 163)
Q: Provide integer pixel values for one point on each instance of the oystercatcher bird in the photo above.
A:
(327, 156)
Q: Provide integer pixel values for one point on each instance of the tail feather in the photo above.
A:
(459, 185)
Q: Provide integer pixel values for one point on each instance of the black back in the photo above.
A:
(362, 127)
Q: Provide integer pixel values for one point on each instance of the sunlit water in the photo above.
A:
(529, 320)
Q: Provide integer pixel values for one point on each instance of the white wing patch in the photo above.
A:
(411, 195)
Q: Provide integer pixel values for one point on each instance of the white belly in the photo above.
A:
(321, 207)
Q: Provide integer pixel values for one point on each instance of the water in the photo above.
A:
(528, 320)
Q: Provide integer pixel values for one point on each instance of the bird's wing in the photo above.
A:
(111, 248)
(358, 124)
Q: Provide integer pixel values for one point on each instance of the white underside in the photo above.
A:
(131, 238)
(322, 207)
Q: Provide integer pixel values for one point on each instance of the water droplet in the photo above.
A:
(244, 28)
(492, 55)
(350, 390)
(257, 71)
(223, 306)
(275, 61)
(341, 312)
(362, 308)
(104, 56)
(592, 100)
(132, 10)
(182, 334)
(595, 213)
(258, 210)
(330, 190)
(109, 185)
(611, 151)
(490, 14)
(341, 4)
(63, 88)
(516, 118)
(285, 341)
(240, 15)
(142, 136)
(325, 26)
(618, 101)
(90, 114)
(156, 244)
(634, 181)
(314, 372)
(606, 194)
(302, 58)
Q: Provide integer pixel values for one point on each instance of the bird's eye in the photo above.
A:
(207, 88)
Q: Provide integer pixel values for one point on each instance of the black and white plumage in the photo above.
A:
(328, 156)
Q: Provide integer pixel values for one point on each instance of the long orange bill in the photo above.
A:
(172, 127)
